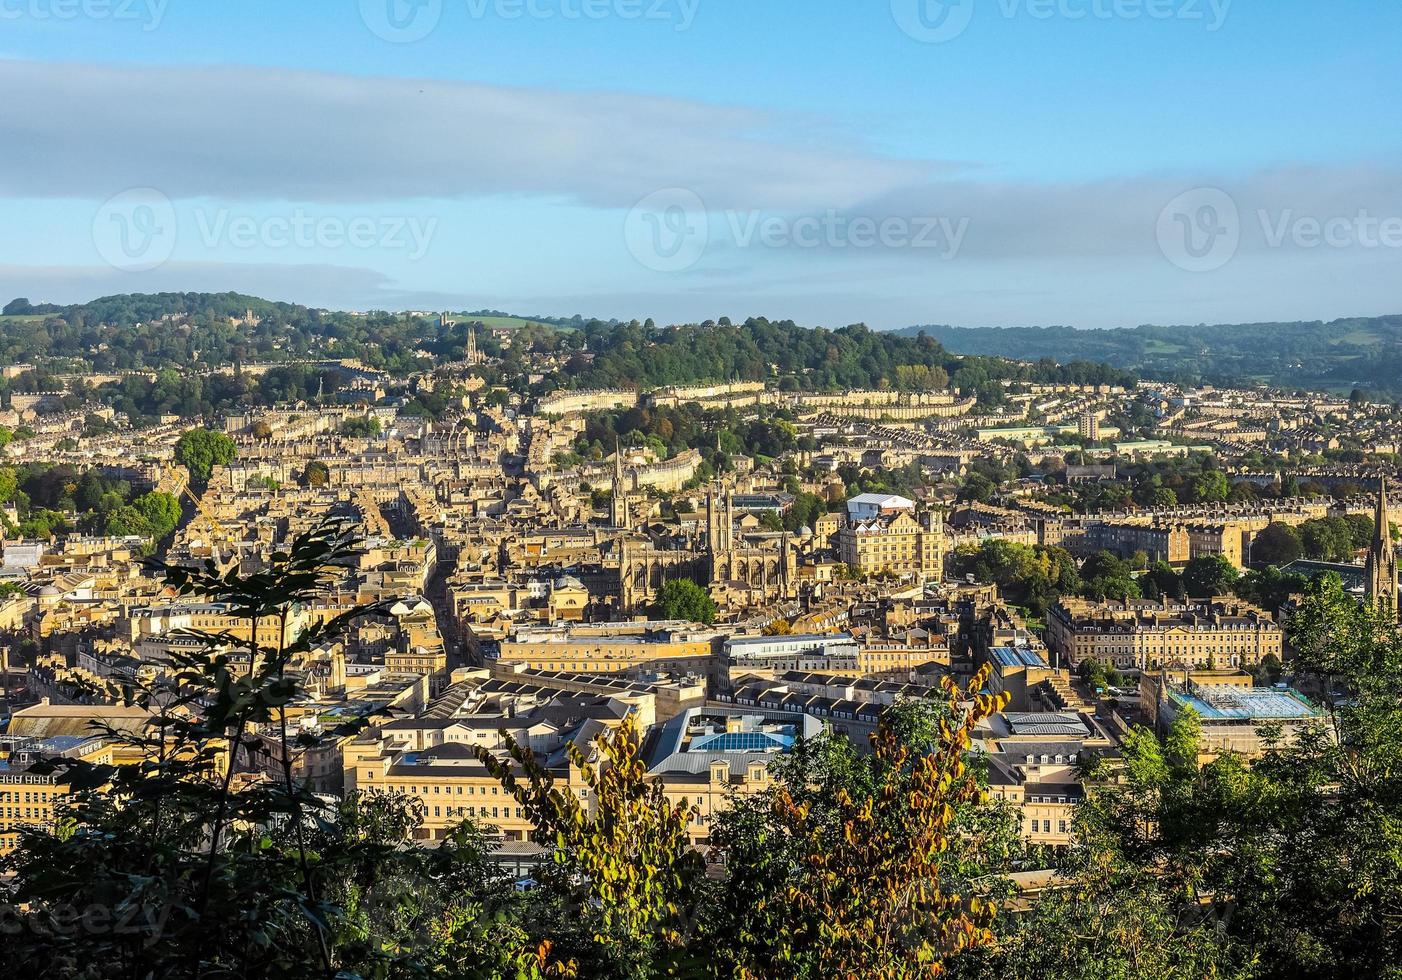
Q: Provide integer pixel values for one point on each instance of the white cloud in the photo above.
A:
(254, 133)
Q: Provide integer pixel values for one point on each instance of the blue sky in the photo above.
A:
(1091, 162)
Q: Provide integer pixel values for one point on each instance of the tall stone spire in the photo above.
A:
(1381, 575)
(619, 505)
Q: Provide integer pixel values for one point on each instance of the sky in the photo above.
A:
(1095, 163)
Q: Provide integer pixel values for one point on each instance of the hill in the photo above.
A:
(156, 331)
(1338, 356)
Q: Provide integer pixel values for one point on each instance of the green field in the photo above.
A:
(22, 317)
(503, 322)
(1162, 347)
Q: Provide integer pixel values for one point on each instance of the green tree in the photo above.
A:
(683, 599)
(1166, 581)
(1211, 487)
(161, 511)
(1328, 539)
(1277, 544)
(1286, 866)
(212, 876)
(200, 450)
(1108, 577)
(859, 865)
(626, 860)
(1269, 587)
(367, 426)
(1208, 576)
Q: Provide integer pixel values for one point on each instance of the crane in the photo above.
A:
(180, 479)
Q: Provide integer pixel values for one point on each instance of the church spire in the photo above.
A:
(619, 506)
(1381, 575)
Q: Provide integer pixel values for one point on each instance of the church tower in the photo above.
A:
(720, 519)
(618, 506)
(1381, 575)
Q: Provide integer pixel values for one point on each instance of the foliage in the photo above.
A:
(1209, 575)
(1270, 587)
(200, 450)
(625, 860)
(1099, 674)
(42, 492)
(683, 599)
(858, 866)
(184, 871)
(1108, 577)
(1289, 866)
(1277, 544)
(1336, 538)
(634, 354)
(1027, 576)
(367, 426)
(1290, 355)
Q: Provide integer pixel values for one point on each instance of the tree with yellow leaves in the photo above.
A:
(623, 871)
(851, 866)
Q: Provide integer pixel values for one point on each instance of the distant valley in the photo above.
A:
(1363, 352)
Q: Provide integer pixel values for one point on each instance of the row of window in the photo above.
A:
(24, 813)
(497, 812)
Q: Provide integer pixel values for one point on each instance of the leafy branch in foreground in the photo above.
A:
(855, 866)
(621, 854)
(192, 868)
